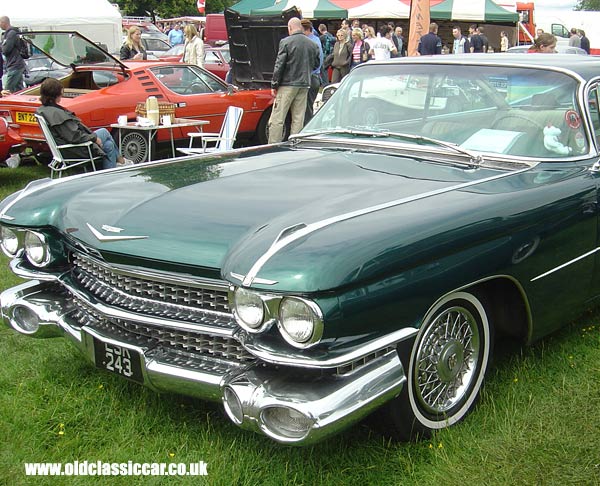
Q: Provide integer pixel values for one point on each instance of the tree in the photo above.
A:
(170, 8)
(588, 5)
(216, 6)
(161, 8)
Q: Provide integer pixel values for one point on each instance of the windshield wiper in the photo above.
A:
(474, 159)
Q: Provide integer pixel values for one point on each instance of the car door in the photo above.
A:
(197, 94)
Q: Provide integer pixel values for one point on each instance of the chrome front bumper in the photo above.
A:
(290, 405)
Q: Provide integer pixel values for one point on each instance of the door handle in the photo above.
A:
(595, 169)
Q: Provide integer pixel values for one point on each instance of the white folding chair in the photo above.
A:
(223, 140)
(59, 162)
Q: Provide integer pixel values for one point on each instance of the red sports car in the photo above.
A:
(100, 88)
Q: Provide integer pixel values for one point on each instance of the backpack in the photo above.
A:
(328, 44)
(23, 47)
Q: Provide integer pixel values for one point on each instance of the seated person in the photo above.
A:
(67, 128)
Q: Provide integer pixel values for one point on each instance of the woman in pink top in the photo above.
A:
(360, 49)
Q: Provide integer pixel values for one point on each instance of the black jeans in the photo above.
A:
(315, 84)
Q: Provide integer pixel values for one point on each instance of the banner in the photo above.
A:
(419, 24)
(201, 4)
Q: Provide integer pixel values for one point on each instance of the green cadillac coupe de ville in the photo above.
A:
(432, 205)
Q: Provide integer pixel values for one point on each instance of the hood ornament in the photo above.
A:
(113, 229)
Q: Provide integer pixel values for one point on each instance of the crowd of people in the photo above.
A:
(354, 44)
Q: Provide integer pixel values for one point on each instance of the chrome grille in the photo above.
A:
(156, 298)
(187, 343)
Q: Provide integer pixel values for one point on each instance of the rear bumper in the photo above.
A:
(289, 404)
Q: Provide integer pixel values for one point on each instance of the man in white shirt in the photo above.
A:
(382, 47)
(461, 44)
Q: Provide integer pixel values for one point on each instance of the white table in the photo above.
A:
(151, 131)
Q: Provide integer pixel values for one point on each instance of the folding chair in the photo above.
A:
(223, 140)
(60, 163)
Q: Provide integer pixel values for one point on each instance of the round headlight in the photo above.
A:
(249, 309)
(36, 249)
(300, 321)
(9, 242)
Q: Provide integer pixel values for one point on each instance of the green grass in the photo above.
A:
(538, 421)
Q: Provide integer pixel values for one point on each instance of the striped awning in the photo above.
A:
(246, 6)
(380, 9)
(311, 9)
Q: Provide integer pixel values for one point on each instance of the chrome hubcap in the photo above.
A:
(446, 360)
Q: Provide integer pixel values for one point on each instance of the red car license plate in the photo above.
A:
(119, 360)
(25, 118)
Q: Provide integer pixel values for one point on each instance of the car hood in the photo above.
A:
(228, 213)
(71, 49)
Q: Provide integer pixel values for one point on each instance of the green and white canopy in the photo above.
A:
(473, 11)
(246, 6)
(311, 9)
(380, 9)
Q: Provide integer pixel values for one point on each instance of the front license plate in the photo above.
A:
(26, 118)
(119, 360)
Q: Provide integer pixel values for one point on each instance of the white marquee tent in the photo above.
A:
(97, 20)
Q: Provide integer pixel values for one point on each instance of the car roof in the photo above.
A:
(587, 67)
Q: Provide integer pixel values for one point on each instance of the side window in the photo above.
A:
(182, 80)
(594, 107)
(559, 31)
(156, 45)
(208, 80)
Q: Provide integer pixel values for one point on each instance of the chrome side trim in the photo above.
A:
(298, 358)
(566, 264)
(318, 225)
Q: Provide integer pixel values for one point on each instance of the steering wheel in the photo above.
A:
(193, 88)
(516, 116)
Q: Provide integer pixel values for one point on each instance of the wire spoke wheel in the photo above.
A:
(446, 360)
(445, 366)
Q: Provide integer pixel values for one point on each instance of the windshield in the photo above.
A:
(70, 49)
(511, 111)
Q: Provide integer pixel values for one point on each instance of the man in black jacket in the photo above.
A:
(297, 57)
(15, 65)
(430, 43)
